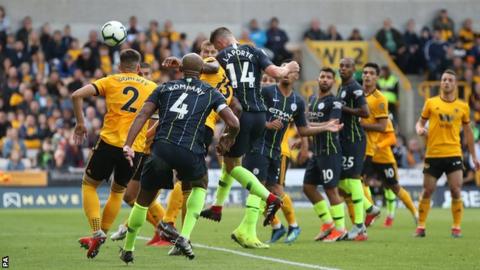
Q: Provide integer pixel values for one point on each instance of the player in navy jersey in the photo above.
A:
(353, 142)
(283, 108)
(244, 64)
(324, 167)
(183, 105)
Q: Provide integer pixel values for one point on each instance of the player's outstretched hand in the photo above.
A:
(129, 154)
(421, 131)
(275, 124)
(333, 125)
(79, 134)
(171, 62)
(293, 67)
(224, 144)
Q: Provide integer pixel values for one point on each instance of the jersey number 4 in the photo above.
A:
(179, 107)
(246, 77)
(128, 106)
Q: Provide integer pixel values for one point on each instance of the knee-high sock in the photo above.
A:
(350, 208)
(367, 204)
(338, 215)
(223, 188)
(288, 211)
(186, 194)
(135, 222)
(407, 200)
(250, 182)
(250, 219)
(423, 208)
(321, 209)
(174, 204)
(91, 205)
(195, 203)
(356, 190)
(155, 213)
(367, 193)
(457, 212)
(111, 209)
(391, 201)
(343, 185)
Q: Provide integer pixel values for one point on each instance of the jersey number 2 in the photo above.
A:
(127, 107)
(179, 107)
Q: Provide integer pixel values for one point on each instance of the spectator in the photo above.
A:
(13, 142)
(87, 62)
(4, 124)
(25, 73)
(34, 44)
(355, 35)
(24, 32)
(389, 85)
(4, 26)
(245, 38)
(39, 65)
(392, 41)
(466, 34)
(197, 43)
(332, 33)
(15, 162)
(45, 35)
(415, 154)
(19, 54)
(474, 103)
(10, 93)
(400, 152)
(444, 25)
(105, 60)
(276, 41)
(133, 29)
(152, 33)
(314, 32)
(67, 67)
(475, 51)
(257, 35)
(29, 133)
(435, 55)
(45, 156)
(55, 49)
(44, 131)
(60, 164)
(93, 44)
(74, 50)
(67, 38)
(413, 53)
(181, 47)
(169, 32)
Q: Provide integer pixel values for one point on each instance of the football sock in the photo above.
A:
(135, 222)
(321, 209)
(195, 203)
(423, 208)
(186, 194)
(174, 204)
(457, 212)
(155, 213)
(391, 201)
(112, 207)
(351, 212)
(367, 204)
(91, 204)
(367, 193)
(250, 219)
(338, 215)
(288, 211)
(343, 185)
(404, 196)
(223, 189)
(250, 182)
(357, 200)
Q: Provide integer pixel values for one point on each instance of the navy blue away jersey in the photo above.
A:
(183, 105)
(244, 65)
(322, 110)
(288, 109)
(352, 96)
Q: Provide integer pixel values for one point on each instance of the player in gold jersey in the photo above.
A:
(446, 116)
(124, 93)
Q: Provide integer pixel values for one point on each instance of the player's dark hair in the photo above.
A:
(374, 66)
(451, 72)
(329, 70)
(219, 32)
(129, 59)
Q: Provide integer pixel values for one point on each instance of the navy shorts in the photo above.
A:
(267, 170)
(252, 125)
(352, 160)
(437, 166)
(324, 170)
(158, 169)
(386, 172)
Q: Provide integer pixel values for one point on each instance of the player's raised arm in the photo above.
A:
(380, 125)
(173, 62)
(332, 126)
(280, 72)
(80, 131)
(361, 111)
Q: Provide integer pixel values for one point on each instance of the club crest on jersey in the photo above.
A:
(343, 94)
(321, 105)
(293, 107)
(255, 171)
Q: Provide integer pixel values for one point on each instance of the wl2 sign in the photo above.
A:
(330, 52)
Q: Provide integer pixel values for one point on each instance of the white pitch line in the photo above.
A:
(244, 254)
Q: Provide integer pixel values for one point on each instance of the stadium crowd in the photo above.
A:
(40, 68)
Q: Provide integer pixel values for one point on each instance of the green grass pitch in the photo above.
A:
(47, 239)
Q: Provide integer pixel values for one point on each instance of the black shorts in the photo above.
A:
(352, 160)
(106, 158)
(267, 170)
(138, 172)
(208, 138)
(158, 169)
(368, 170)
(437, 166)
(252, 125)
(386, 172)
(323, 170)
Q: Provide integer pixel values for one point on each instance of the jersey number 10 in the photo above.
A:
(246, 77)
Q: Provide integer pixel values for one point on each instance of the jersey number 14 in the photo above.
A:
(246, 77)
(180, 107)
